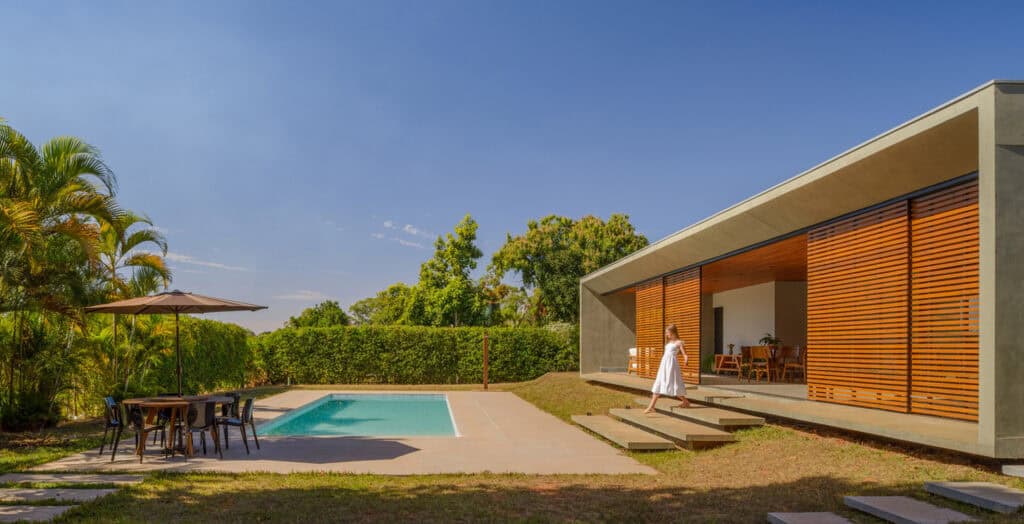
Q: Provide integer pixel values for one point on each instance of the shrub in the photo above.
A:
(410, 354)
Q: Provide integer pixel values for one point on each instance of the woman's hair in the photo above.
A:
(671, 328)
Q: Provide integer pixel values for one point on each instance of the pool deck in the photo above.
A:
(499, 432)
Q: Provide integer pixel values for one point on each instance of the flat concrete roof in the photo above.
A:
(935, 147)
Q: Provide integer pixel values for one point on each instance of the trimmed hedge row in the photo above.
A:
(411, 354)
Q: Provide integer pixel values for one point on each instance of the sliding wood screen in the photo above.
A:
(857, 310)
(682, 308)
(944, 303)
(650, 314)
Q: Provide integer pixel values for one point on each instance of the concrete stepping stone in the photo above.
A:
(905, 510)
(58, 494)
(31, 513)
(69, 478)
(813, 517)
(993, 497)
(690, 433)
(622, 434)
(717, 418)
(1013, 470)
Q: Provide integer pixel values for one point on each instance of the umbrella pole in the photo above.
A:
(177, 349)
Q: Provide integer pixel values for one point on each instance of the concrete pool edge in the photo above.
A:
(290, 415)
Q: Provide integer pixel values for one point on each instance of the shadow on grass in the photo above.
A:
(326, 497)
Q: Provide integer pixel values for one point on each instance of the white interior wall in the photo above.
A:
(748, 313)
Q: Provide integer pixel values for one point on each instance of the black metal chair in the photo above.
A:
(229, 411)
(202, 418)
(113, 422)
(137, 421)
(163, 418)
(240, 423)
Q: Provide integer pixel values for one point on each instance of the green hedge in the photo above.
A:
(411, 355)
(214, 355)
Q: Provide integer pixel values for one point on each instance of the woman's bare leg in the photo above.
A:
(685, 403)
(654, 400)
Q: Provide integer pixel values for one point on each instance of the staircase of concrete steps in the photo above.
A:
(906, 510)
(685, 433)
(718, 418)
(20, 502)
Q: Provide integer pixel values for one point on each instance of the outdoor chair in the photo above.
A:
(137, 421)
(240, 423)
(202, 418)
(230, 411)
(113, 421)
(634, 366)
(163, 418)
(760, 363)
(796, 364)
(744, 362)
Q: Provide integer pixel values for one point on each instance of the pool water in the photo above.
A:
(370, 415)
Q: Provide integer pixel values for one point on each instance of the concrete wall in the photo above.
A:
(791, 313)
(748, 313)
(1001, 325)
(607, 330)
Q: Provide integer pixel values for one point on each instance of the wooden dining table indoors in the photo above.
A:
(177, 410)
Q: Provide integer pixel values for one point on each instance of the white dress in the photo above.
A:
(669, 381)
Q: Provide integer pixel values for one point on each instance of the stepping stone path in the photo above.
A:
(717, 418)
(689, 433)
(822, 517)
(68, 492)
(622, 434)
(1013, 470)
(993, 497)
(905, 510)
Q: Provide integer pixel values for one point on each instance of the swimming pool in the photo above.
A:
(369, 415)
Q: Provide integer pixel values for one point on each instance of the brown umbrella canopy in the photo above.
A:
(175, 302)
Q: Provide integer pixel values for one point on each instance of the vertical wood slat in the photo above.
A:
(857, 310)
(650, 313)
(682, 308)
(944, 303)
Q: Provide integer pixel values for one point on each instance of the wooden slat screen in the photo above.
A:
(649, 318)
(857, 310)
(682, 308)
(944, 303)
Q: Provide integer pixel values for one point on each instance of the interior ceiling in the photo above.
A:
(778, 261)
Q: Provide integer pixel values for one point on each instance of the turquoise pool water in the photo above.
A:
(369, 415)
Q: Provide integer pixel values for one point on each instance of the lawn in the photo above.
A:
(774, 468)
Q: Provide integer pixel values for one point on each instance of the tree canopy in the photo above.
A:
(325, 314)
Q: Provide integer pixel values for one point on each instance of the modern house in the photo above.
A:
(898, 266)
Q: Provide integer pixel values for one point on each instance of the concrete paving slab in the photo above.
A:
(905, 510)
(498, 432)
(1013, 470)
(690, 433)
(717, 418)
(993, 497)
(814, 517)
(31, 513)
(57, 494)
(70, 478)
(626, 436)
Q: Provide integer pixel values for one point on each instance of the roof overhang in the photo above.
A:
(935, 147)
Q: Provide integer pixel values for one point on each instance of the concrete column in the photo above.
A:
(607, 330)
(1001, 320)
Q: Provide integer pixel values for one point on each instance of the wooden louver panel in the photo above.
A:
(682, 308)
(944, 303)
(857, 316)
(649, 318)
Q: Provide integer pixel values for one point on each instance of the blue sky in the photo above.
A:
(296, 151)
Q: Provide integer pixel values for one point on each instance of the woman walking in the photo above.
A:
(669, 382)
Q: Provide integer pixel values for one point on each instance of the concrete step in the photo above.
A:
(691, 434)
(57, 494)
(986, 495)
(69, 478)
(817, 517)
(626, 436)
(31, 513)
(905, 510)
(717, 418)
(709, 396)
(1013, 470)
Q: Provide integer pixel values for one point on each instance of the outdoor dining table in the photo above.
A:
(177, 408)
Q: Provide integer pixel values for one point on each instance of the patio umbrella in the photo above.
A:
(176, 302)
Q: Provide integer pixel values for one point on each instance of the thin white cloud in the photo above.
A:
(303, 295)
(407, 243)
(415, 231)
(390, 225)
(187, 259)
(378, 236)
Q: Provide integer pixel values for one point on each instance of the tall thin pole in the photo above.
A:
(177, 349)
(486, 359)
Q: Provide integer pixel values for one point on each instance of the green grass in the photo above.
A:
(771, 468)
(20, 451)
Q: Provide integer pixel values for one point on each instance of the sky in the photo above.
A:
(295, 152)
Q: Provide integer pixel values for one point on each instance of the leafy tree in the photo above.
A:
(387, 307)
(325, 314)
(445, 294)
(556, 251)
(120, 244)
